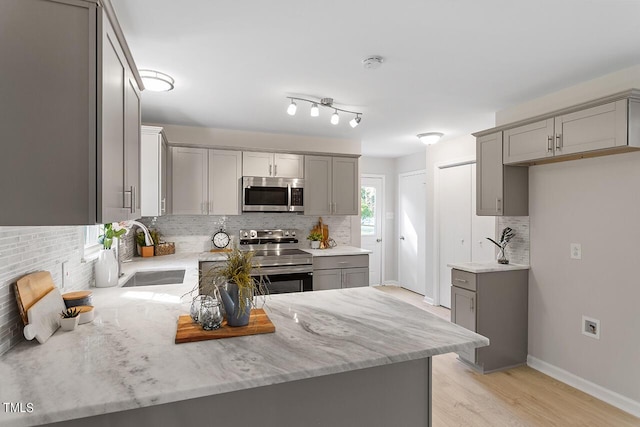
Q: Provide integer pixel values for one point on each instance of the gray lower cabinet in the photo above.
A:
(70, 114)
(493, 304)
(337, 272)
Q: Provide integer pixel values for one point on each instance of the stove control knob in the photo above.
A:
(245, 234)
(286, 233)
(253, 234)
(293, 233)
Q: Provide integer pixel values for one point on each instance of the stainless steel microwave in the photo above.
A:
(272, 194)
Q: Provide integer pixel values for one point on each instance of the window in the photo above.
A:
(91, 245)
(368, 211)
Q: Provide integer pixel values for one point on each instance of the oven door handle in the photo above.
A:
(265, 271)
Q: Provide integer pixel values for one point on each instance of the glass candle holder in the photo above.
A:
(210, 314)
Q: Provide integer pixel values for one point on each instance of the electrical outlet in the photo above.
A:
(590, 327)
(66, 275)
(576, 251)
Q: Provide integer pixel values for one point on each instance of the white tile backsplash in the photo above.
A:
(25, 250)
(517, 251)
(192, 233)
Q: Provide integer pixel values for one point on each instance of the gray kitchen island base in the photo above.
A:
(397, 394)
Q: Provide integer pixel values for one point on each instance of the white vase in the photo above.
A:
(315, 244)
(69, 323)
(106, 269)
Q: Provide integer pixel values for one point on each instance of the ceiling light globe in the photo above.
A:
(430, 138)
(291, 110)
(355, 122)
(335, 119)
(315, 111)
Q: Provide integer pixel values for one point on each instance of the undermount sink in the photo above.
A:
(148, 278)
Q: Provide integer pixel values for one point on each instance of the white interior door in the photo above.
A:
(412, 226)
(482, 227)
(454, 206)
(372, 211)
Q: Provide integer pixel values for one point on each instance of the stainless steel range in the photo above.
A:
(288, 268)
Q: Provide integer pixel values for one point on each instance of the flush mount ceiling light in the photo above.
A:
(430, 137)
(324, 102)
(156, 81)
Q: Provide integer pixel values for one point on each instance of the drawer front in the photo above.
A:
(347, 261)
(463, 279)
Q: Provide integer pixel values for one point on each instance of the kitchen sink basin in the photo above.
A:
(148, 278)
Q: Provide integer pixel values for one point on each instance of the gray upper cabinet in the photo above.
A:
(189, 180)
(281, 165)
(583, 132)
(331, 186)
(65, 114)
(500, 190)
(205, 181)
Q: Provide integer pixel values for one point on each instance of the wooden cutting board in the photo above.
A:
(44, 317)
(30, 289)
(188, 331)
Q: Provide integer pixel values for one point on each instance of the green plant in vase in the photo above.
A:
(111, 231)
(315, 238)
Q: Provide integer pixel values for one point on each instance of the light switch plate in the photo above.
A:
(576, 251)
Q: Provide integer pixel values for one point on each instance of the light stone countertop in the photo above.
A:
(486, 267)
(337, 251)
(126, 358)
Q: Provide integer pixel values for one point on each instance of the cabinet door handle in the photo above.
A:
(163, 205)
(133, 199)
(549, 144)
(472, 303)
(558, 141)
(270, 168)
(275, 170)
(460, 280)
(498, 204)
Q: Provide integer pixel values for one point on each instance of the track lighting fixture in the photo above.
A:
(324, 102)
(315, 111)
(292, 108)
(430, 137)
(335, 119)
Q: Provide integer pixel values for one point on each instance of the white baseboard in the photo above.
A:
(606, 395)
(428, 300)
(391, 283)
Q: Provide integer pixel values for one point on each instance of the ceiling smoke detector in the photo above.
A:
(372, 62)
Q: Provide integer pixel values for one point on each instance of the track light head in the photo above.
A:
(315, 111)
(335, 119)
(355, 121)
(292, 108)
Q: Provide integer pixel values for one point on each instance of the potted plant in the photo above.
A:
(143, 249)
(315, 238)
(236, 285)
(69, 319)
(106, 266)
(505, 238)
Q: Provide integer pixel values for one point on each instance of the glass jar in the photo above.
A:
(210, 314)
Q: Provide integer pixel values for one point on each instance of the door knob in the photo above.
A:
(401, 237)
(378, 240)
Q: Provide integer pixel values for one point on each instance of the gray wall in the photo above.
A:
(593, 202)
(25, 250)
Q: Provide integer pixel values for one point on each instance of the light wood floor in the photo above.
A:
(517, 397)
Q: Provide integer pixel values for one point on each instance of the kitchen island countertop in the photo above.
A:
(337, 251)
(127, 358)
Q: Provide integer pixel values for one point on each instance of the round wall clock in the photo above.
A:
(221, 239)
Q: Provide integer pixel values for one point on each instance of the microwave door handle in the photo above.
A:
(289, 207)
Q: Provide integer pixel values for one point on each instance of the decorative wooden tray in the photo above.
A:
(221, 250)
(188, 331)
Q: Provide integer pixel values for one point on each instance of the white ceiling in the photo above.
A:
(449, 64)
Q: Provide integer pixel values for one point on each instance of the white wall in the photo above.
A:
(593, 202)
(259, 141)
